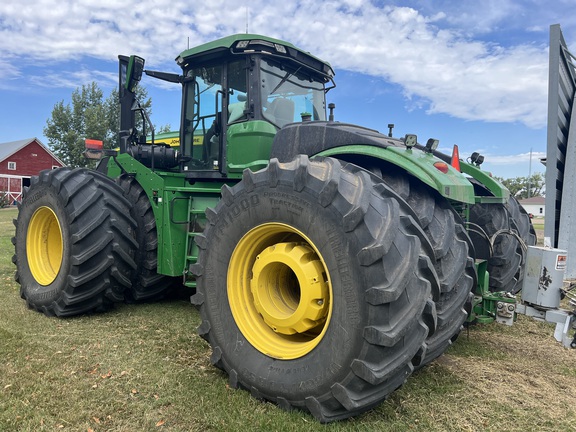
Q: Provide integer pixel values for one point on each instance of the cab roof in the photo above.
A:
(248, 43)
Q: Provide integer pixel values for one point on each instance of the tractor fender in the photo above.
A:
(352, 143)
(311, 138)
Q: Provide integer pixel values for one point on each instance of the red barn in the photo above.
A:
(20, 160)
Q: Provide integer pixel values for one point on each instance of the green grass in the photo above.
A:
(143, 368)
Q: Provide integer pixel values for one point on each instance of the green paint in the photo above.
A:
(248, 145)
(452, 185)
(174, 202)
(499, 191)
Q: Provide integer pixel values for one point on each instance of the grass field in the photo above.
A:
(538, 224)
(143, 368)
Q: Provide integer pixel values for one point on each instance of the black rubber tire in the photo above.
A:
(522, 224)
(506, 258)
(453, 259)
(96, 237)
(147, 284)
(381, 286)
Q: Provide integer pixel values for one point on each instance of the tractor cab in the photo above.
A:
(237, 93)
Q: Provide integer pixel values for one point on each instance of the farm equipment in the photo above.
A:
(328, 261)
(542, 291)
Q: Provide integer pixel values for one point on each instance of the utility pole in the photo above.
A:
(530, 173)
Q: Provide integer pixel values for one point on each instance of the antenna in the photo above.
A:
(246, 19)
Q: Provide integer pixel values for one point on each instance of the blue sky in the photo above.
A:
(472, 73)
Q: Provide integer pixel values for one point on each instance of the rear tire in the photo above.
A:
(523, 225)
(74, 243)
(522, 222)
(452, 258)
(147, 284)
(505, 260)
(345, 348)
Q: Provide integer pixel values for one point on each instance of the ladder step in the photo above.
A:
(191, 258)
(196, 220)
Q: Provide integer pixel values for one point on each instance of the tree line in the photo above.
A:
(525, 187)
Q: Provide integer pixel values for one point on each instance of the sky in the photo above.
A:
(471, 73)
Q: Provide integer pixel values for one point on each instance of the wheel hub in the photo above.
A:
(289, 288)
(279, 291)
(44, 245)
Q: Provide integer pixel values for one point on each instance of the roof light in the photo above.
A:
(410, 140)
(476, 159)
(242, 44)
(280, 48)
(431, 145)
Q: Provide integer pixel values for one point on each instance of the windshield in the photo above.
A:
(289, 93)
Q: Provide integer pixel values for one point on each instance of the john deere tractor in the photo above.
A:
(328, 261)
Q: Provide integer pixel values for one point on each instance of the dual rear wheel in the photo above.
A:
(84, 242)
(74, 243)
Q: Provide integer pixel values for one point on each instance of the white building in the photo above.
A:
(535, 206)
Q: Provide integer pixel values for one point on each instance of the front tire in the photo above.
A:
(313, 287)
(74, 243)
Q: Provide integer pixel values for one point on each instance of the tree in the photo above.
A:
(71, 124)
(519, 186)
(89, 115)
(113, 114)
(163, 129)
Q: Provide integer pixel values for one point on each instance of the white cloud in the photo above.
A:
(466, 79)
(511, 166)
(438, 68)
(9, 74)
(518, 159)
(73, 80)
(475, 18)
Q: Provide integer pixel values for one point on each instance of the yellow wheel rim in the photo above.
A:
(44, 245)
(279, 291)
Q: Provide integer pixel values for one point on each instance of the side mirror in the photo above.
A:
(134, 72)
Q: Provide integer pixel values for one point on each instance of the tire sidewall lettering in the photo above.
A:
(236, 210)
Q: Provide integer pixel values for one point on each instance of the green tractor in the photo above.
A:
(328, 261)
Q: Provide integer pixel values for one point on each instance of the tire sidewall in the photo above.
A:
(329, 361)
(41, 195)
